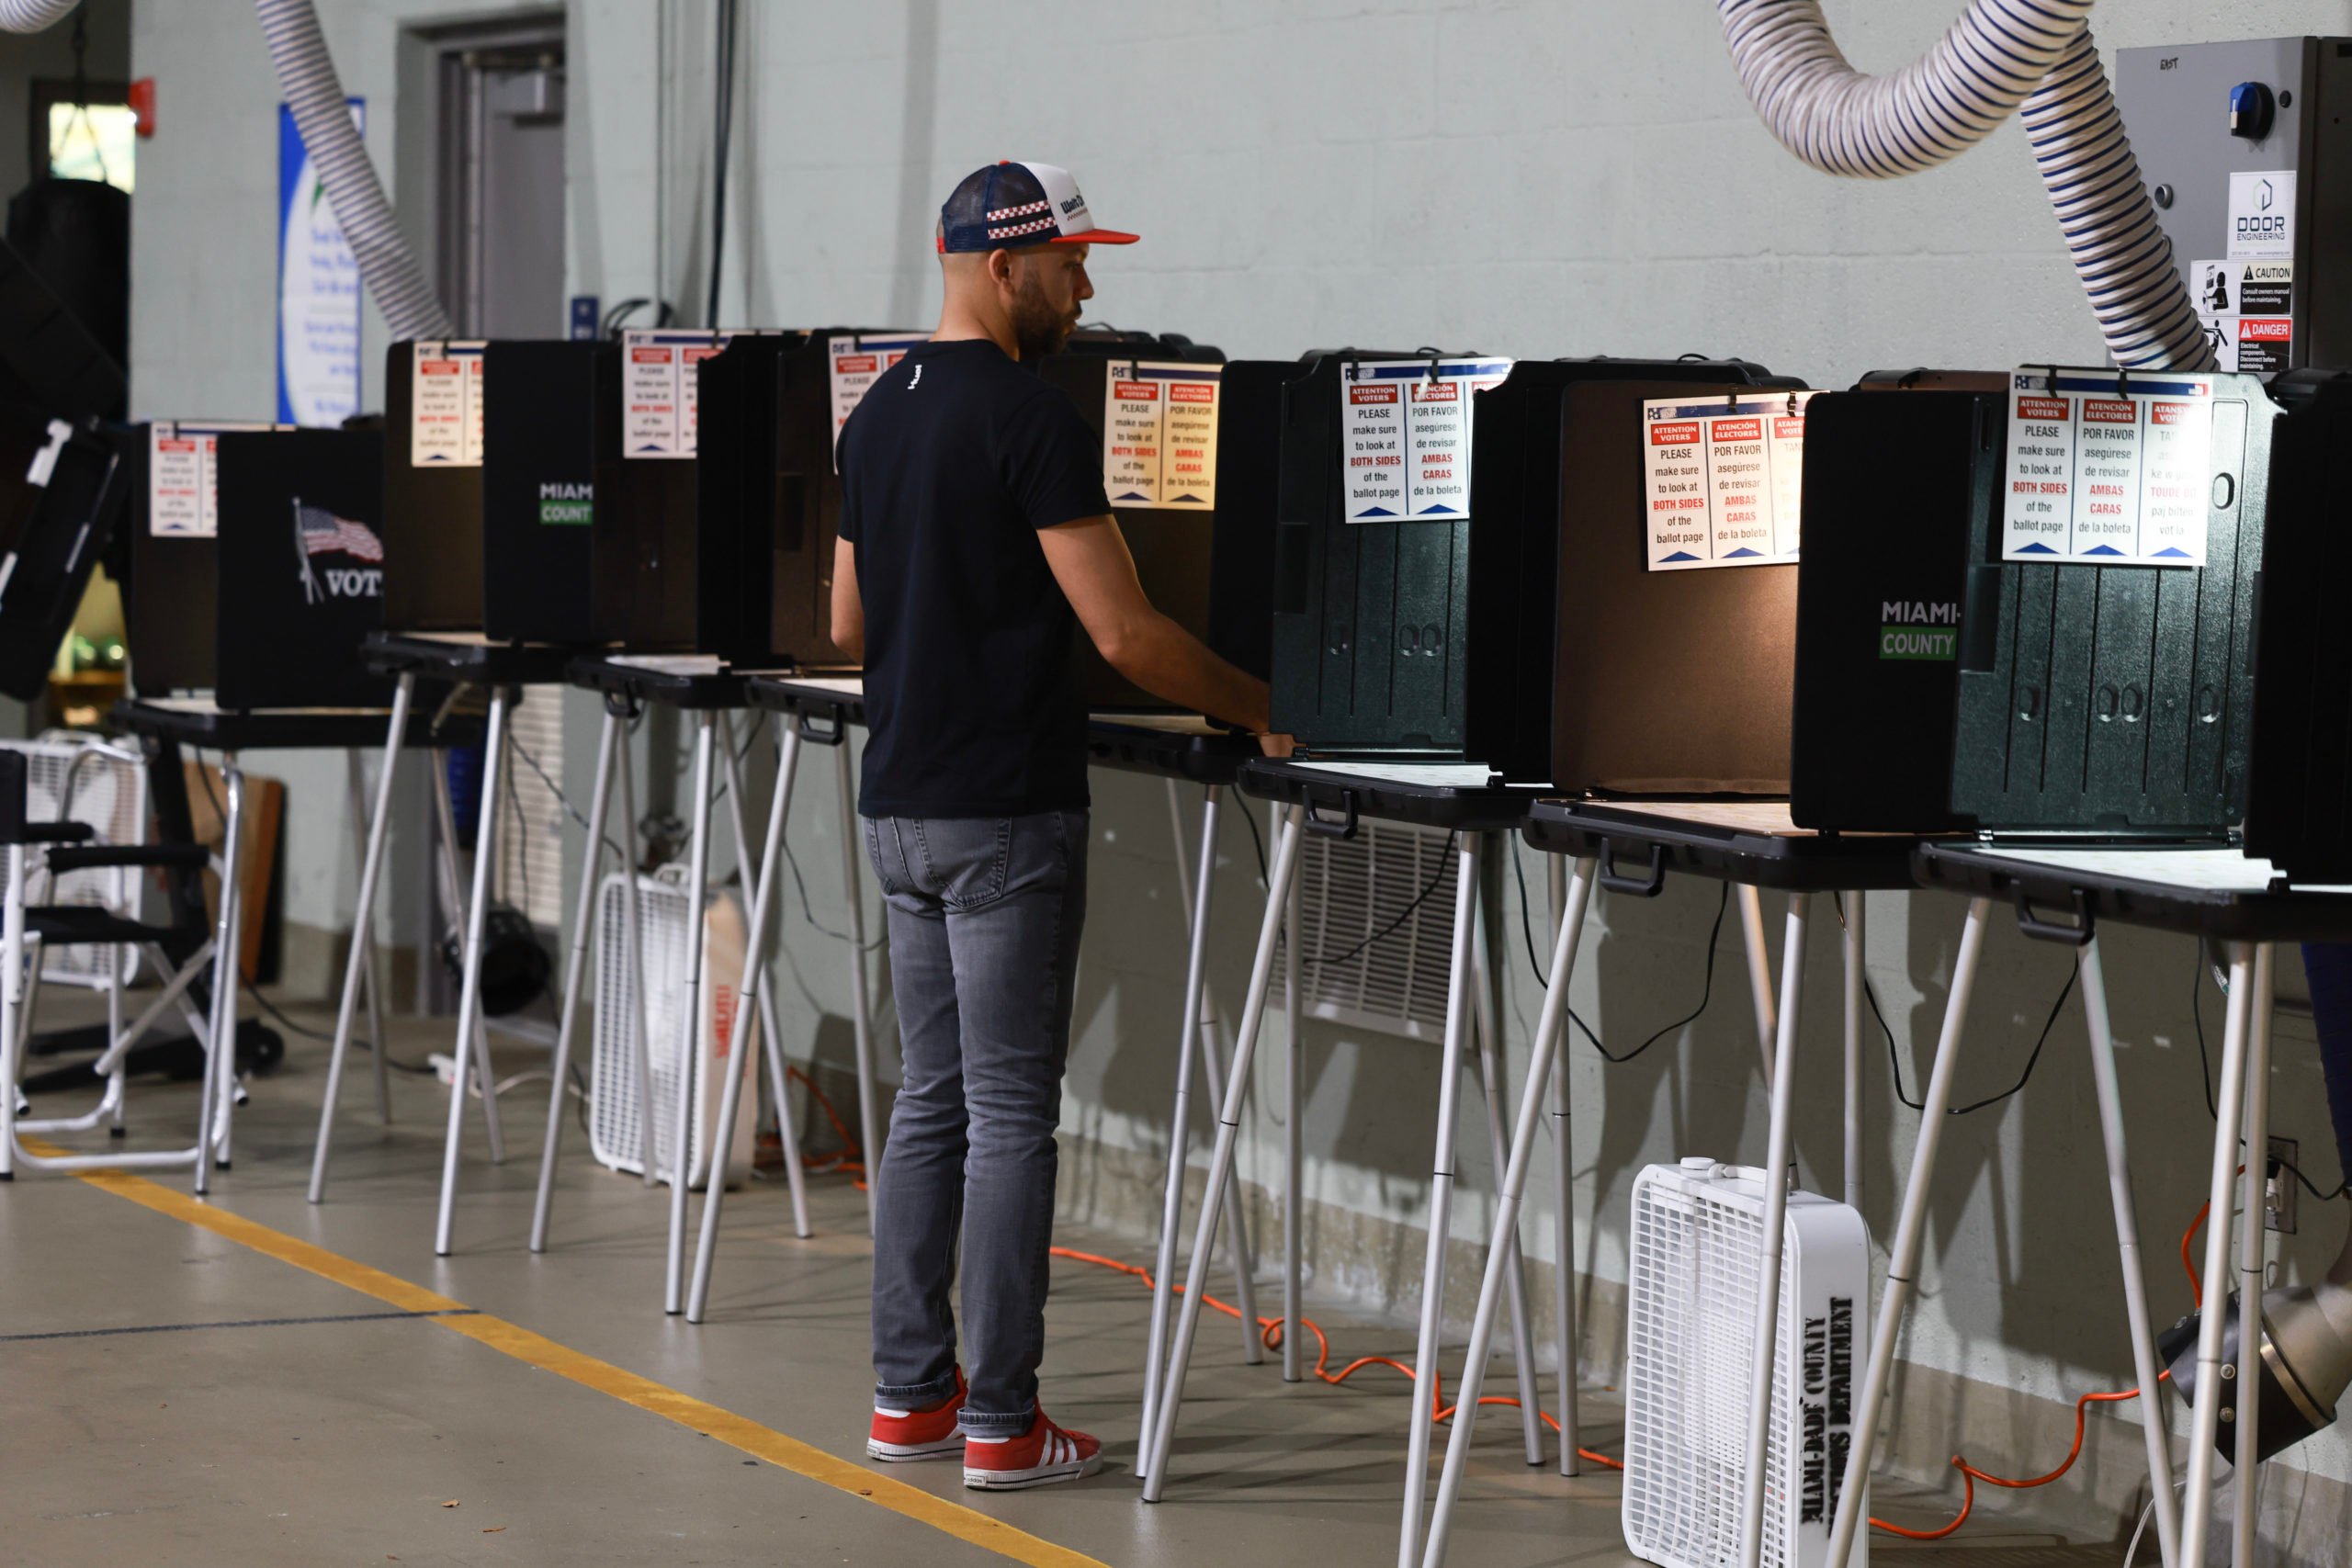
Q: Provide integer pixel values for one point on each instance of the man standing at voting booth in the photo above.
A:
(976, 539)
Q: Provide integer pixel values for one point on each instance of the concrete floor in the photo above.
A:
(276, 1417)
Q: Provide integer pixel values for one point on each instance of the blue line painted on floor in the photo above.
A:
(240, 1323)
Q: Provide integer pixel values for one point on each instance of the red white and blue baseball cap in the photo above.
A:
(1008, 205)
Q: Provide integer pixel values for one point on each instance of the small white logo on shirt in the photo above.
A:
(916, 379)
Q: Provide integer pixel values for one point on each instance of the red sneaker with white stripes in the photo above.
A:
(1039, 1457)
(918, 1434)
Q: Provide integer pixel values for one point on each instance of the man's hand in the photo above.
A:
(1278, 746)
(1090, 560)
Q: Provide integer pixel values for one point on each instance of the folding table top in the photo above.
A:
(1458, 796)
(2061, 892)
(1750, 841)
(200, 723)
(468, 656)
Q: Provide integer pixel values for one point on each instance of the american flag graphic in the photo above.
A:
(324, 534)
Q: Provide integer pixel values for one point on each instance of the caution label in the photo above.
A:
(445, 405)
(2247, 310)
(1159, 434)
(2116, 474)
(854, 363)
(183, 489)
(1724, 480)
(1405, 436)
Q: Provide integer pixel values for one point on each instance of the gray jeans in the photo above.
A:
(985, 915)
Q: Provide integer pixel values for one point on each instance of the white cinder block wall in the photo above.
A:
(1544, 177)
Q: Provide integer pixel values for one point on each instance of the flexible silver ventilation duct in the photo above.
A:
(2000, 56)
(34, 15)
(306, 75)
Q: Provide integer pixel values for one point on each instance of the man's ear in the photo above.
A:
(1001, 268)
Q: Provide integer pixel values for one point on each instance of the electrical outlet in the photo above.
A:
(2281, 1190)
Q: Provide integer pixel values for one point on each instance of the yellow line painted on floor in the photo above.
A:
(739, 1432)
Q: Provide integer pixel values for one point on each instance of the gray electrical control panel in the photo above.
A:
(2244, 149)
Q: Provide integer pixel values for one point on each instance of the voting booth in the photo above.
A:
(1153, 401)
(1677, 585)
(1522, 495)
(2299, 802)
(432, 466)
(2107, 654)
(1248, 477)
(300, 569)
(1899, 490)
(771, 410)
(549, 408)
(171, 605)
(73, 495)
(1371, 545)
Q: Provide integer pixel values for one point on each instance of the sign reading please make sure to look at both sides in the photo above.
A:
(1726, 479)
(2107, 469)
(1405, 436)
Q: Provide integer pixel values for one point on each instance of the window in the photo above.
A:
(91, 141)
(82, 130)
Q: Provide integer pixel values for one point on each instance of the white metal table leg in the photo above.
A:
(355, 778)
(363, 927)
(453, 892)
(1293, 1135)
(12, 996)
(584, 914)
(2206, 1424)
(869, 1127)
(764, 854)
(1759, 973)
(1203, 1034)
(1544, 1067)
(472, 1038)
(2145, 1366)
(673, 1289)
(1172, 1195)
(1491, 1078)
(1910, 1232)
(1460, 983)
(220, 1067)
(1853, 942)
(749, 993)
(1237, 1089)
(2253, 1238)
(633, 938)
(1563, 1230)
(1776, 1209)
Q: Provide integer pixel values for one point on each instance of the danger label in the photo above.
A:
(1724, 480)
(2114, 474)
(1405, 436)
(445, 405)
(1159, 434)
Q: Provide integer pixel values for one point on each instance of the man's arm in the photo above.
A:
(1090, 560)
(849, 609)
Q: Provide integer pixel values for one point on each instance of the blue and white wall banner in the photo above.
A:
(1159, 433)
(1723, 480)
(2107, 472)
(317, 289)
(1405, 436)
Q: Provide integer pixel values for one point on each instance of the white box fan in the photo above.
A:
(616, 1107)
(109, 791)
(1697, 1252)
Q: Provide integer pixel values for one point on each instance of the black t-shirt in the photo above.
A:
(954, 459)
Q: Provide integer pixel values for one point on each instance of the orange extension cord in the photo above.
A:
(1270, 1332)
